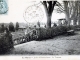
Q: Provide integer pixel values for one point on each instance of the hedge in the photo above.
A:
(44, 33)
(5, 42)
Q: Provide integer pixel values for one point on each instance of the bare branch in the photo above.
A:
(53, 4)
(45, 3)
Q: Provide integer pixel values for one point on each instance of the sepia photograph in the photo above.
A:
(39, 27)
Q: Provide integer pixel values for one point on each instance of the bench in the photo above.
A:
(70, 32)
(77, 29)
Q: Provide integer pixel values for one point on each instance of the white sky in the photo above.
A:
(17, 9)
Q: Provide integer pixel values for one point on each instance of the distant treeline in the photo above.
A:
(9, 26)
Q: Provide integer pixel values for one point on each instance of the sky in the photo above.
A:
(24, 11)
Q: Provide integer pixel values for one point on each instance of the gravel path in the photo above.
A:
(60, 45)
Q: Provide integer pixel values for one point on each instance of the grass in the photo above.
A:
(17, 34)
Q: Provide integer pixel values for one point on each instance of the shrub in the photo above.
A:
(5, 42)
(2, 28)
(11, 27)
(41, 33)
(44, 33)
(55, 25)
(17, 25)
(38, 23)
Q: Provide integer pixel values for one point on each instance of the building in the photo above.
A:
(62, 21)
(22, 28)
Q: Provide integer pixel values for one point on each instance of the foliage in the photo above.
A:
(38, 23)
(55, 24)
(11, 27)
(2, 28)
(5, 42)
(17, 25)
(51, 32)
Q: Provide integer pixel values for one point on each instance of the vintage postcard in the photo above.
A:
(31, 29)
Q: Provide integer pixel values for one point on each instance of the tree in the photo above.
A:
(64, 7)
(38, 23)
(2, 27)
(78, 12)
(49, 7)
(55, 24)
(71, 10)
(11, 27)
(17, 25)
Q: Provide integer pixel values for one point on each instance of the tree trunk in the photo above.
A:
(67, 18)
(79, 15)
(78, 21)
(48, 15)
(48, 21)
(67, 12)
(49, 7)
(74, 22)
